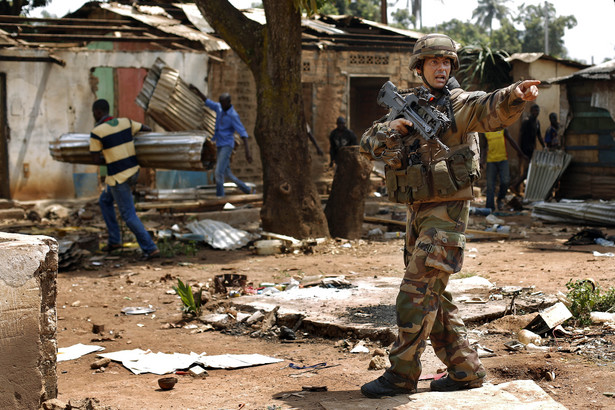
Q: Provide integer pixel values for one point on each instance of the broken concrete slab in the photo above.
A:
(367, 310)
(28, 270)
(512, 395)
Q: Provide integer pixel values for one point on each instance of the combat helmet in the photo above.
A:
(434, 45)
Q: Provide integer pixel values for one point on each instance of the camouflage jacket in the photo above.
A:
(473, 112)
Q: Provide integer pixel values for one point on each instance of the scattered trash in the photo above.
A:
(138, 310)
(76, 351)
(198, 371)
(602, 317)
(221, 235)
(604, 242)
(514, 345)
(268, 246)
(483, 351)
(360, 348)
(498, 228)
(314, 366)
(167, 383)
(480, 211)
(600, 213)
(394, 235)
(608, 254)
(336, 282)
(549, 318)
(585, 237)
(492, 219)
(526, 337)
(532, 346)
(140, 361)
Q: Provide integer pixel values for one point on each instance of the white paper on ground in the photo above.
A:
(139, 361)
(76, 351)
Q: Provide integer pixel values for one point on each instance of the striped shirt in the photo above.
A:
(114, 137)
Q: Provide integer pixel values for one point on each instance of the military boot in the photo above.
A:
(382, 387)
(448, 384)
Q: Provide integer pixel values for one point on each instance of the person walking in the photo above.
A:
(112, 144)
(227, 123)
(495, 157)
(437, 187)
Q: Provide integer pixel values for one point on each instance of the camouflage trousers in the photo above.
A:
(434, 250)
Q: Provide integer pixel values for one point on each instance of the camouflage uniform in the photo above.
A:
(434, 244)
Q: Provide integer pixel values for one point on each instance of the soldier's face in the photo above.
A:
(437, 71)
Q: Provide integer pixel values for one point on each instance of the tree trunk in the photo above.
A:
(291, 205)
(351, 185)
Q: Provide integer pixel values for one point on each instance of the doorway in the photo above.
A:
(364, 109)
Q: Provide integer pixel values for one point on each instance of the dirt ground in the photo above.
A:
(96, 293)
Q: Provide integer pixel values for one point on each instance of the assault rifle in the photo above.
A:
(426, 120)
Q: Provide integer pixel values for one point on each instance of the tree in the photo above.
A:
(291, 204)
(462, 32)
(487, 10)
(402, 18)
(17, 7)
(367, 9)
(533, 18)
(482, 68)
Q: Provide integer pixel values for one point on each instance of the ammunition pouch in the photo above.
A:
(440, 180)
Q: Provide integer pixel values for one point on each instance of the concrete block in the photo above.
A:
(28, 347)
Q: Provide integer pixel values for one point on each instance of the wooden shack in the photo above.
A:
(588, 112)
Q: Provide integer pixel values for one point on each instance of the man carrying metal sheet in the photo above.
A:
(112, 143)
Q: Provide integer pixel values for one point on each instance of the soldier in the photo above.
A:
(437, 186)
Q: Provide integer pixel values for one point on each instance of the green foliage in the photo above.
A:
(170, 248)
(482, 68)
(191, 304)
(367, 9)
(487, 10)
(19, 7)
(402, 18)
(533, 19)
(463, 33)
(585, 298)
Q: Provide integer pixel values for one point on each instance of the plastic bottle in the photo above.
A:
(604, 242)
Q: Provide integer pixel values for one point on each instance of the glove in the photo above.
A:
(393, 154)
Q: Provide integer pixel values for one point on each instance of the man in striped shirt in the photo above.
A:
(112, 143)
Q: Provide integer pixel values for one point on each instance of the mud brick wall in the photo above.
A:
(28, 348)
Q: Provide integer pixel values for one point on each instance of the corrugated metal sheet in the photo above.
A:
(546, 167)
(221, 235)
(190, 151)
(600, 213)
(165, 23)
(604, 71)
(172, 104)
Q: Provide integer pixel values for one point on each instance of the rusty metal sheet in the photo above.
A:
(170, 102)
(164, 22)
(190, 151)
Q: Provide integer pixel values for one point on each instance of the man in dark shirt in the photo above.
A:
(530, 130)
(340, 137)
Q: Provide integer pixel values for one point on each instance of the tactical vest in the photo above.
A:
(438, 175)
